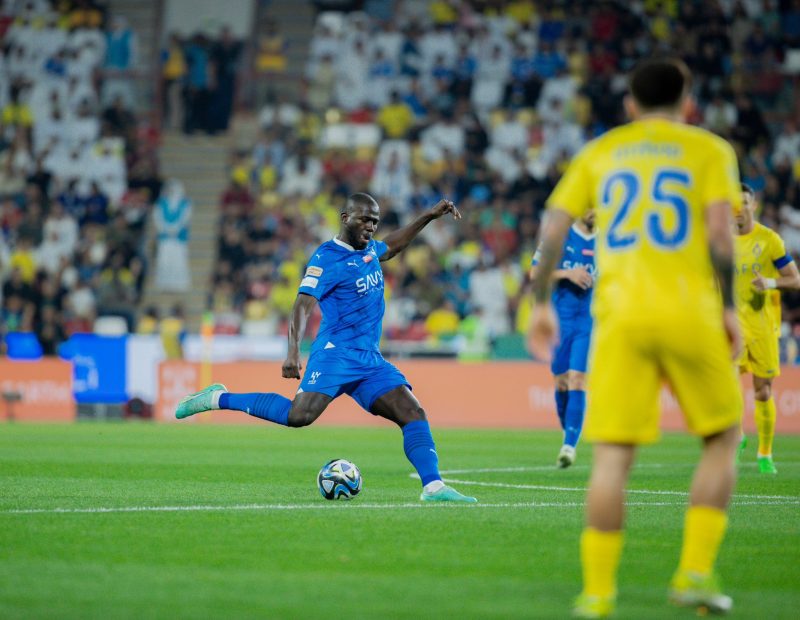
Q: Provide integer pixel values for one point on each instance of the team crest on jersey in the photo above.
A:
(757, 250)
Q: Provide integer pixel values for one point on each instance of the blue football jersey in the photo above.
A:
(348, 284)
(570, 300)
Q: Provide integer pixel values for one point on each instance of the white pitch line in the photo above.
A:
(501, 470)
(355, 505)
(544, 487)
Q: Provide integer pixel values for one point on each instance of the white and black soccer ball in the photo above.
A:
(339, 479)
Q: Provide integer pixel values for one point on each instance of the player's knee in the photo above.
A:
(413, 414)
(576, 381)
(763, 392)
(301, 416)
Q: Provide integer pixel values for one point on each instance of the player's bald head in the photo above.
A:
(359, 201)
(660, 84)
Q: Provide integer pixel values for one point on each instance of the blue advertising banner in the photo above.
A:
(99, 367)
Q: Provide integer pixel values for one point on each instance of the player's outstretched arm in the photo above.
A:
(303, 306)
(398, 240)
(544, 329)
(719, 224)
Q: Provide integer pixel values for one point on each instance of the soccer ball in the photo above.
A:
(339, 479)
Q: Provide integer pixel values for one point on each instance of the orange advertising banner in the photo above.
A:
(453, 394)
(43, 387)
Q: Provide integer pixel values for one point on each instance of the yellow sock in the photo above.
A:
(703, 531)
(600, 553)
(765, 422)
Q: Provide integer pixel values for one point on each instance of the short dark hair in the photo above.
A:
(659, 82)
(359, 198)
(746, 189)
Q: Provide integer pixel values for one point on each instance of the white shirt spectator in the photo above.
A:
(351, 78)
(107, 168)
(392, 181)
(284, 114)
(435, 44)
(487, 292)
(787, 145)
(301, 176)
(389, 41)
(61, 227)
(50, 254)
(720, 116)
(490, 80)
(442, 138)
(82, 301)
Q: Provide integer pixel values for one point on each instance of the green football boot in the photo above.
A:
(702, 592)
(766, 466)
(742, 447)
(198, 402)
(447, 494)
(593, 606)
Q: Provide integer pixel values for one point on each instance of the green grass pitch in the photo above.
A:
(196, 521)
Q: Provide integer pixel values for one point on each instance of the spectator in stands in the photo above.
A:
(116, 291)
(270, 61)
(225, 55)
(171, 218)
(196, 94)
(119, 61)
(173, 72)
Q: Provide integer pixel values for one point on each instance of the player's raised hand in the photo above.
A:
(443, 207)
(291, 368)
(581, 277)
(543, 334)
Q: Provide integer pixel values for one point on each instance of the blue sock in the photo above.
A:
(561, 406)
(270, 407)
(421, 451)
(576, 407)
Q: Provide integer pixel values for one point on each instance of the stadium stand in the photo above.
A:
(482, 101)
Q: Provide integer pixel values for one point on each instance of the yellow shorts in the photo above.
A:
(760, 355)
(628, 364)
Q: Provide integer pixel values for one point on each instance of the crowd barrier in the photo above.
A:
(454, 394)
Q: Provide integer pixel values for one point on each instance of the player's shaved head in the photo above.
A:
(660, 83)
(358, 199)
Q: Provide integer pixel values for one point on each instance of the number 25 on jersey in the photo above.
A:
(666, 219)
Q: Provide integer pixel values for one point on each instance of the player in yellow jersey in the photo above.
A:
(761, 267)
(663, 193)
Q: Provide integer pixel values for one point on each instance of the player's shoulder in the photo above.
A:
(326, 254)
(702, 137)
(766, 233)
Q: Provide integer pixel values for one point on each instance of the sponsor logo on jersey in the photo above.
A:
(314, 271)
(370, 282)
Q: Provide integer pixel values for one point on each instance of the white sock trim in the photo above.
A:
(215, 398)
(432, 487)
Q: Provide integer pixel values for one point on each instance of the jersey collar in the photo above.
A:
(582, 234)
(341, 243)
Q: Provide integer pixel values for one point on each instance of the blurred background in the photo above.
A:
(167, 166)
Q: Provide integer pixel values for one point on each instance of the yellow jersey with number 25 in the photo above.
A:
(650, 182)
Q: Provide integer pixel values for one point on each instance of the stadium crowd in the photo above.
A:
(481, 101)
(485, 102)
(78, 170)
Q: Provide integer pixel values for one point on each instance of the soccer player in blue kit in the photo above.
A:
(344, 276)
(572, 299)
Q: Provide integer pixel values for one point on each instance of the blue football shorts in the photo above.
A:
(572, 352)
(364, 375)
